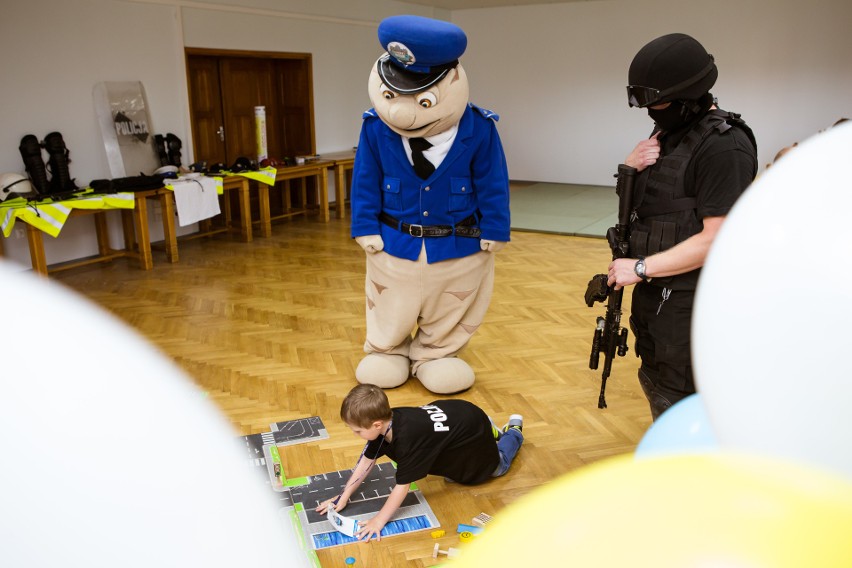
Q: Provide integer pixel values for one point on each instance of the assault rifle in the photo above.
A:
(609, 336)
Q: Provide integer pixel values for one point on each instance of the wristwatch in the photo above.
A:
(639, 269)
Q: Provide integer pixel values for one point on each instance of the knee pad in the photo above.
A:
(658, 402)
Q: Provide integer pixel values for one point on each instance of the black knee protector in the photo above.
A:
(34, 163)
(60, 180)
(160, 148)
(174, 146)
(658, 402)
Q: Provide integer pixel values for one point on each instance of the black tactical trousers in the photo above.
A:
(661, 320)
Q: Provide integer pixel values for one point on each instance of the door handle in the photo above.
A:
(221, 133)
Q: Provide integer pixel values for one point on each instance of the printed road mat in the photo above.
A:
(298, 498)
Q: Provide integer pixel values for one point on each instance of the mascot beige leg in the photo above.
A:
(392, 310)
(456, 297)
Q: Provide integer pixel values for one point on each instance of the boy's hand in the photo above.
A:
(370, 529)
(322, 509)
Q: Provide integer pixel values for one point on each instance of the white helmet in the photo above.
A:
(14, 184)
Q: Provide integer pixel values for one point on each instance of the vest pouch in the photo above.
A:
(638, 243)
(663, 236)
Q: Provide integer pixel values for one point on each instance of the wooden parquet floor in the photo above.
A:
(272, 330)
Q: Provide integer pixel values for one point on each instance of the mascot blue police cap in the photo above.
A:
(420, 52)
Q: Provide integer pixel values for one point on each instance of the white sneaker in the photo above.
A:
(516, 421)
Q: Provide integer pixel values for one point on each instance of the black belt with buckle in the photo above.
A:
(464, 228)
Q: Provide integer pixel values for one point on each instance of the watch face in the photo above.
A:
(640, 268)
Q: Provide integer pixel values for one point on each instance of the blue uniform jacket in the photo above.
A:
(472, 179)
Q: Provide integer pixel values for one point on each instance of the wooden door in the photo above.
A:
(248, 83)
(205, 103)
(237, 82)
(296, 106)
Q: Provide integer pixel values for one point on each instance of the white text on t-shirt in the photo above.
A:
(438, 417)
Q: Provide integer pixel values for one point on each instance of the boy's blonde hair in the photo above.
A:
(364, 405)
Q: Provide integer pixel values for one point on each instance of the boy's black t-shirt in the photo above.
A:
(452, 438)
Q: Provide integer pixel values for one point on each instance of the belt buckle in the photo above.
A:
(419, 230)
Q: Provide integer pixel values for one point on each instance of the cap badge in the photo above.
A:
(401, 53)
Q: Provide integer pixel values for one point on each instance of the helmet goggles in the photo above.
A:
(641, 97)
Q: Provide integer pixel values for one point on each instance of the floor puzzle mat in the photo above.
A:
(281, 434)
(297, 498)
(414, 514)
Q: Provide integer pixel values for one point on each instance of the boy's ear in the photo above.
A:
(377, 424)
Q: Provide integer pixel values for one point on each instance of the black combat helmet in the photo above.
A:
(671, 67)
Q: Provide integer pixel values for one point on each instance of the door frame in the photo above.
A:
(277, 55)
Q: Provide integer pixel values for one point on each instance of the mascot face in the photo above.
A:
(425, 113)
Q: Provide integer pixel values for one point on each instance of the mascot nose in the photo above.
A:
(403, 116)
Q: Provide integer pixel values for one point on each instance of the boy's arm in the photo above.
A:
(373, 527)
(362, 468)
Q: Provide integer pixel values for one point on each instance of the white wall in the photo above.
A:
(53, 53)
(554, 72)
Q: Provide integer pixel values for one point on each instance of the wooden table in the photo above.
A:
(344, 163)
(241, 185)
(135, 222)
(137, 238)
(317, 169)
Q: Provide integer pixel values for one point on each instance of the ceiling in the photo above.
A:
(470, 4)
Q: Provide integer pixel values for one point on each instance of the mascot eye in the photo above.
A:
(386, 92)
(426, 100)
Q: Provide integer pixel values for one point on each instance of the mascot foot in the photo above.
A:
(445, 376)
(384, 371)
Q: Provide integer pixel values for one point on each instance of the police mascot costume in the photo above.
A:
(430, 206)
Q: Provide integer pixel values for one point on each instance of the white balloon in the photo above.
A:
(110, 456)
(771, 326)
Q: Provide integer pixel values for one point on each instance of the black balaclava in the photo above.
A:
(681, 113)
(669, 118)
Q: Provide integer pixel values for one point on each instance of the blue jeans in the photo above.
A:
(508, 446)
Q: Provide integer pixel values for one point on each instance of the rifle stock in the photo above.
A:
(609, 337)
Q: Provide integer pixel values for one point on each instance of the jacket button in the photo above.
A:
(464, 188)
(427, 188)
(425, 213)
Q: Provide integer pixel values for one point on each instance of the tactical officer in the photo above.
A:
(693, 167)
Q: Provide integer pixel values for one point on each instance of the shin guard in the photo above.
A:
(60, 176)
(34, 163)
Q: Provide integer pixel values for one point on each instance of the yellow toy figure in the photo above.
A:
(430, 206)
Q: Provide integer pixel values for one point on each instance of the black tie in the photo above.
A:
(422, 166)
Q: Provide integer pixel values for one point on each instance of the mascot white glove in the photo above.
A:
(491, 246)
(371, 243)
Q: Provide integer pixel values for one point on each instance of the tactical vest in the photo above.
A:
(664, 215)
